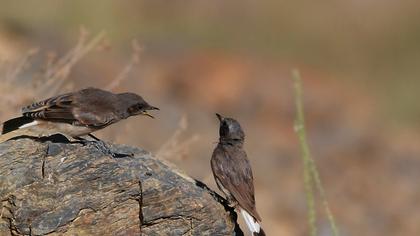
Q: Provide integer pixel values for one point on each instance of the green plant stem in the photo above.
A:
(310, 171)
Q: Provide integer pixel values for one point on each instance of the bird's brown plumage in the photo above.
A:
(78, 113)
(89, 107)
(232, 169)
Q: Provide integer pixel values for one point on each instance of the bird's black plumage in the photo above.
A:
(15, 123)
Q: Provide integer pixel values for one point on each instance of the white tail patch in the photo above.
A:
(252, 224)
(29, 124)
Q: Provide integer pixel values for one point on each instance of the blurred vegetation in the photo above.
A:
(371, 42)
(311, 177)
(359, 60)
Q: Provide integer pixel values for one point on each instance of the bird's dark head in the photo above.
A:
(136, 105)
(230, 130)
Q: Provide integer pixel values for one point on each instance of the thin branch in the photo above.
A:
(135, 57)
(173, 148)
(57, 73)
(19, 66)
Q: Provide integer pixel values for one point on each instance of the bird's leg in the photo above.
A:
(231, 201)
(104, 148)
(229, 198)
(94, 137)
(97, 143)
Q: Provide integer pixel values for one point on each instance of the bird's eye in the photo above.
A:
(224, 129)
(131, 109)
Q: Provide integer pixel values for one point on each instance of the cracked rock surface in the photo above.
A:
(51, 188)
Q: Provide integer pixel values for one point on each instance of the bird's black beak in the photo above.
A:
(220, 117)
(149, 109)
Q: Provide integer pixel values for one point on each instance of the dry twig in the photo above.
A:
(173, 147)
(135, 58)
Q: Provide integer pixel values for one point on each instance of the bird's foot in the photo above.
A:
(105, 148)
(232, 202)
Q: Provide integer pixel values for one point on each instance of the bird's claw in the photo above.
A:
(105, 149)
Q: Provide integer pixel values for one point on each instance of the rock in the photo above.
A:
(74, 189)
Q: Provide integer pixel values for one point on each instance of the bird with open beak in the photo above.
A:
(75, 114)
(233, 174)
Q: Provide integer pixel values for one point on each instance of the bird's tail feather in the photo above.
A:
(33, 129)
(15, 123)
(261, 233)
(252, 224)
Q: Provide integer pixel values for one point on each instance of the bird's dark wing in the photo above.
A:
(89, 107)
(231, 167)
(58, 108)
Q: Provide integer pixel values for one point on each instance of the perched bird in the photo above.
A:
(233, 174)
(75, 114)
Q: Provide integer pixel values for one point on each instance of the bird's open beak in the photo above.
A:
(147, 114)
(220, 117)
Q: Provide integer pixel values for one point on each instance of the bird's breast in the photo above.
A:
(45, 128)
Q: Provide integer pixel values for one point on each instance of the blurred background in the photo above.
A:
(360, 65)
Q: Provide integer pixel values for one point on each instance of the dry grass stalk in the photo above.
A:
(135, 58)
(16, 92)
(312, 180)
(57, 72)
(20, 65)
(175, 149)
